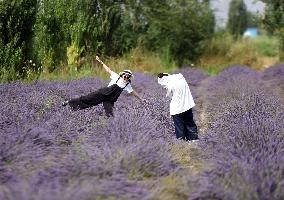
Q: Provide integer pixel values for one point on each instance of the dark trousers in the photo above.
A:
(91, 100)
(87, 101)
(185, 127)
(108, 106)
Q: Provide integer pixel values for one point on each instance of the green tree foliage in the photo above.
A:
(52, 31)
(237, 21)
(115, 27)
(274, 21)
(17, 19)
(63, 31)
(178, 28)
(253, 19)
(132, 28)
(79, 24)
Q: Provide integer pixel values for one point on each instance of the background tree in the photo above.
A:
(51, 31)
(114, 27)
(17, 18)
(60, 32)
(274, 21)
(253, 19)
(237, 21)
(177, 30)
(65, 30)
(133, 27)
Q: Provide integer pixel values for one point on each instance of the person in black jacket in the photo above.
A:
(106, 95)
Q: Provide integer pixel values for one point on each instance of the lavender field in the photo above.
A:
(48, 152)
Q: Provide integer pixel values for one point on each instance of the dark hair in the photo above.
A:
(160, 75)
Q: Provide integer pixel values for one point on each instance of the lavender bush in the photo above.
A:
(49, 152)
(274, 77)
(244, 141)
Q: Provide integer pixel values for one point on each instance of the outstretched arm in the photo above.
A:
(104, 65)
(137, 96)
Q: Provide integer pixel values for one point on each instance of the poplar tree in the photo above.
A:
(237, 20)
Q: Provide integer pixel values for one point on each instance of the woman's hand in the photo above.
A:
(104, 65)
(138, 96)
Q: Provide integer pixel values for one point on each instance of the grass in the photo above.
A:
(171, 187)
(266, 46)
(223, 51)
(138, 60)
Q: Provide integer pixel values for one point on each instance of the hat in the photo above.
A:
(127, 72)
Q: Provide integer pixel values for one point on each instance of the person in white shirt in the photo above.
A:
(106, 95)
(181, 105)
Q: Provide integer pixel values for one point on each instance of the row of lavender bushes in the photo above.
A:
(244, 140)
(49, 152)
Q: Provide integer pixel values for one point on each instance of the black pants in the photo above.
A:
(87, 101)
(105, 95)
(91, 100)
(108, 106)
(185, 127)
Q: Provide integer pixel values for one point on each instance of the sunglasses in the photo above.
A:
(126, 77)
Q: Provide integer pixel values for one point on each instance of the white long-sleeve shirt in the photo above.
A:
(182, 99)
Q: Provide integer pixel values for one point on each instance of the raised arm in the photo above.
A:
(137, 96)
(104, 65)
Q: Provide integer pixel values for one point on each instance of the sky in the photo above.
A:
(221, 8)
